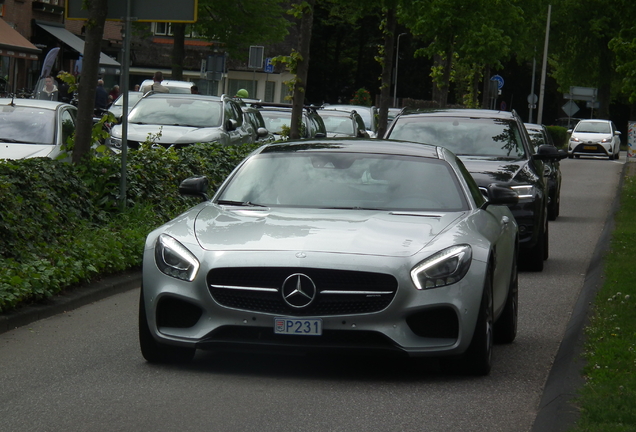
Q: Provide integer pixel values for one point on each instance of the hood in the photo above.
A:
(492, 170)
(172, 134)
(334, 231)
(23, 151)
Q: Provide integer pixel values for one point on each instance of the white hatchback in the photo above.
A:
(594, 138)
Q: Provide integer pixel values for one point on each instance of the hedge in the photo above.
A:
(61, 224)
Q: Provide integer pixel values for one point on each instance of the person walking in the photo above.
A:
(156, 84)
(101, 96)
(50, 90)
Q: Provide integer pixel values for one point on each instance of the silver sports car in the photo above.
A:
(354, 245)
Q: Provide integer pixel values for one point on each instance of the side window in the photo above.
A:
(68, 124)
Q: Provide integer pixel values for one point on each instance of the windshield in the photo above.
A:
(593, 127)
(338, 124)
(365, 113)
(133, 97)
(177, 112)
(463, 135)
(346, 180)
(27, 125)
(275, 121)
(536, 138)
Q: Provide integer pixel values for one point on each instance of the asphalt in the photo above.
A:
(556, 412)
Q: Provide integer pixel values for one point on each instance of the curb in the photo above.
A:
(70, 300)
(557, 411)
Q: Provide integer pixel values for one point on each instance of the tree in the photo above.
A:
(97, 12)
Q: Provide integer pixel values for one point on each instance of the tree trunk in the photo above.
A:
(302, 68)
(605, 74)
(485, 101)
(387, 68)
(178, 50)
(97, 12)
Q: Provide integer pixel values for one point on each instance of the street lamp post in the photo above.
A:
(397, 59)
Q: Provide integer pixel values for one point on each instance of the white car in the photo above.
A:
(34, 128)
(594, 138)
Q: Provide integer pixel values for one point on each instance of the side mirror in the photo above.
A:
(231, 125)
(500, 195)
(262, 132)
(562, 154)
(320, 135)
(617, 132)
(547, 152)
(195, 186)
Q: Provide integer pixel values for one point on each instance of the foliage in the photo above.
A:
(559, 135)
(61, 225)
(361, 97)
(237, 25)
(607, 401)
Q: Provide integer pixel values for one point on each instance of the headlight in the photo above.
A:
(174, 259)
(524, 191)
(575, 139)
(443, 268)
(606, 140)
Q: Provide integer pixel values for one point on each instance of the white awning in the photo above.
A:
(76, 43)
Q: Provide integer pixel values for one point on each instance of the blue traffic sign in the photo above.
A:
(499, 79)
(269, 67)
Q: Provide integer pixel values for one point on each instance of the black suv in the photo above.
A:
(495, 148)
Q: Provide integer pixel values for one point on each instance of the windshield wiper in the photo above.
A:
(10, 140)
(239, 203)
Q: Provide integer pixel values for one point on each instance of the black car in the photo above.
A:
(539, 136)
(495, 148)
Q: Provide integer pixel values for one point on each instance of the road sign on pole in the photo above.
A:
(499, 80)
(570, 108)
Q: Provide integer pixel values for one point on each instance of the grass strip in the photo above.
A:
(607, 401)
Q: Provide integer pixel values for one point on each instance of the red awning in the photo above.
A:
(13, 44)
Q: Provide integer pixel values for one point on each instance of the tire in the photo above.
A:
(506, 325)
(478, 358)
(554, 207)
(546, 241)
(532, 259)
(156, 352)
(618, 154)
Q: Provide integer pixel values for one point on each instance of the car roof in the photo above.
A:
(355, 145)
(35, 103)
(170, 83)
(346, 107)
(338, 112)
(180, 96)
(459, 112)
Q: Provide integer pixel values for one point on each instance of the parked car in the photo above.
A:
(594, 138)
(368, 114)
(322, 245)
(117, 107)
(174, 86)
(277, 118)
(393, 112)
(34, 128)
(340, 124)
(539, 136)
(177, 120)
(255, 120)
(495, 147)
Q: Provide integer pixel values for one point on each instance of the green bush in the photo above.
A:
(61, 224)
(559, 136)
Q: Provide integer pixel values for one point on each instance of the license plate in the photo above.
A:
(589, 147)
(298, 326)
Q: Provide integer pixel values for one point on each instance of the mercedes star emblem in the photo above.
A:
(299, 291)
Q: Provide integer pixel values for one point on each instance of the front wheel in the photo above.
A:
(478, 357)
(156, 352)
(506, 325)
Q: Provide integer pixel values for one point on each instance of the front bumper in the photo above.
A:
(415, 323)
(590, 148)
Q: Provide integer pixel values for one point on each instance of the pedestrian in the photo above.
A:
(101, 96)
(156, 84)
(114, 92)
(136, 87)
(194, 90)
(49, 91)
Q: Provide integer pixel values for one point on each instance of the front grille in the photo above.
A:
(339, 292)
